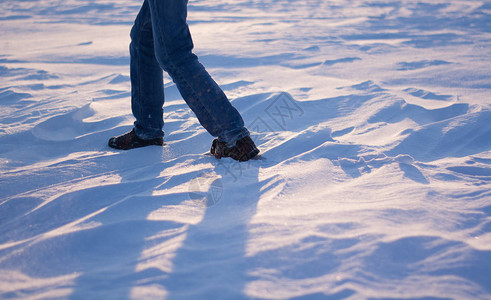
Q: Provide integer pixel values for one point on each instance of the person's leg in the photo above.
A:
(173, 50)
(147, 88)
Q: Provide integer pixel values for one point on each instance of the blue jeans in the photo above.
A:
(160, 40)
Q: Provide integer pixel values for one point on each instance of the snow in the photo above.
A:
(374, 181)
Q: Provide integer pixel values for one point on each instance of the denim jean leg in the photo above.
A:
(147, 90)
(173, 46)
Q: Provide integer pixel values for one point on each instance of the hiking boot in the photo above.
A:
(130, 140)
(243, 150)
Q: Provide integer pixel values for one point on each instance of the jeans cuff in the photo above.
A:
(232, 136)
(148, 134)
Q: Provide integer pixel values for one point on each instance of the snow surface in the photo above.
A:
(374, 122)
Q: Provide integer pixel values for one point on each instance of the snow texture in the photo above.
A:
(374, 122)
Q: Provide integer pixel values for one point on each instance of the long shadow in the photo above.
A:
(94, 234)
(211, 262)
(98, 234)
(107, 255)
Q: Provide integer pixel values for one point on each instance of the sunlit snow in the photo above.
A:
(374, 122)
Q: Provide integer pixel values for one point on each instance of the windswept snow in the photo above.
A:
(374, 181)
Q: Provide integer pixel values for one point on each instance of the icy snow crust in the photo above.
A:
(374, 122)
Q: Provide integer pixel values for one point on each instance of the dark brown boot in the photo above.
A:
(243, 150)
(130, 140)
